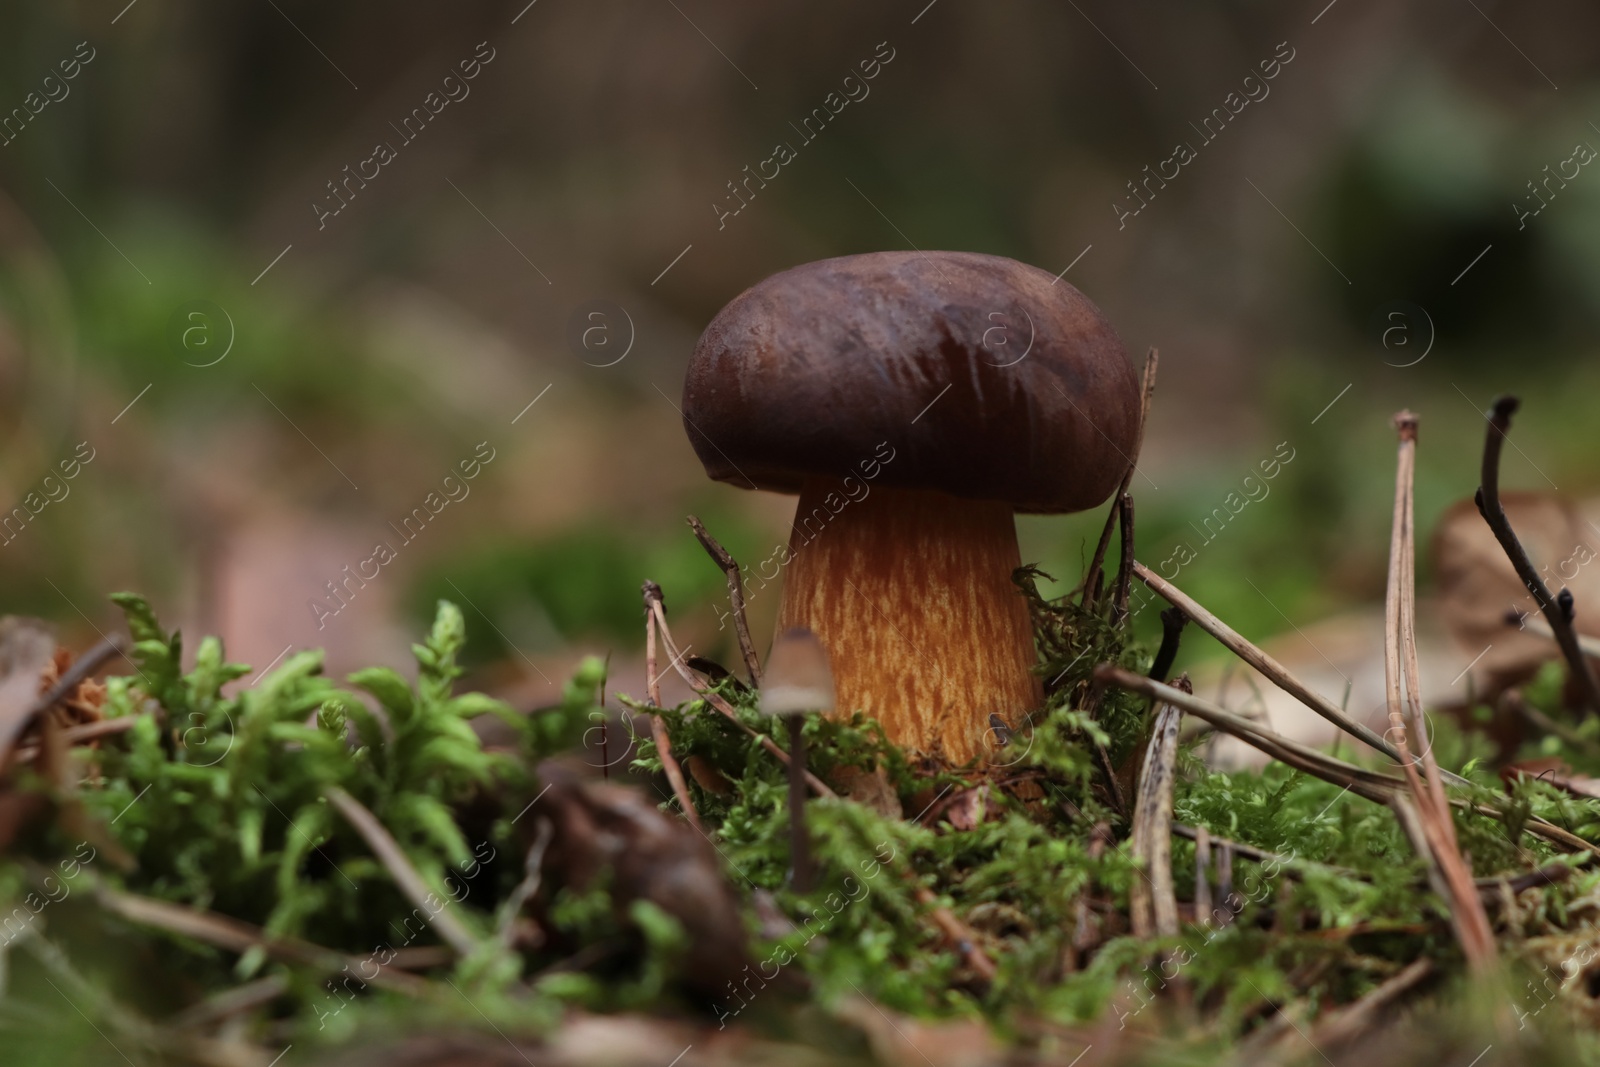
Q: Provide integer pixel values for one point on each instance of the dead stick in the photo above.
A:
(1373, 785)
(730, 567)
(1172, 624)
(1348, 1023)
(1589, 646)
(1091, 576)
(710, 696)
(238, 936)
(958, 933)
(1432, 808)
(1274, 671)
(1247, 730)
(1513, 701)
(1119, 598)
(1146, 394)
(658, 728)
(89, 731)
(1489, 506)
(222, 1006)
(83, 667)
(1261, 855)
(1155, 907)
(410, 881)
(190, 1048)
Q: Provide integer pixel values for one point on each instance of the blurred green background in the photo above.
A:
(585, 166)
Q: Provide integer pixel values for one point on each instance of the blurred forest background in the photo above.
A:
(1385, 172)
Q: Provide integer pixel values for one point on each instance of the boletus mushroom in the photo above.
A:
(915, 401)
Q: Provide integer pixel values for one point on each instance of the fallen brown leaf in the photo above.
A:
(1478, 586)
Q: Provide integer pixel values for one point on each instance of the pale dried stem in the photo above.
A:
(1344, 1025)
(1147, 391)
(1155, 905)
(730, 567)
(710, 696)
(1370, 784)
(653, 608)
(1432, 806)
(406, 876)
(1274, 671)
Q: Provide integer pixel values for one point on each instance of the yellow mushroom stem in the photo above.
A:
(911, 593)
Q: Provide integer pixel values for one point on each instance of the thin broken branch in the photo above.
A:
(1558, 614)
(410, 881)
(1344, 1025)
(1372, 785)
(658, 730)
(1271, 668)
(1513, 701)
(710, 696)
(1153, 900)
(240, 937)
(730, 567)
(1428, 805)
(1119, 597)
(1589, 646)
(959, 935)
(1091, 576)
(1172, 623)
(82, 668)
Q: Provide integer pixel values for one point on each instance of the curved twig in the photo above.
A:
(730, 567)
(1557, 611)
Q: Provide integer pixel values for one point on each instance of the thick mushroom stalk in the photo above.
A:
(915, 400)
(911, 592)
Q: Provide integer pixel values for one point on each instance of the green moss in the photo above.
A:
(223, 800)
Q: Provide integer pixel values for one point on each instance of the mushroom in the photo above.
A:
(799, 682)
(915, 401)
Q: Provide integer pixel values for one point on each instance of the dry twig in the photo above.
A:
(1091, 576)
(1373, 785)
(82, 668)
(1172, 623)
(730, 567)
(1119, 596)
(1589, 646)
(655, 607)
(453, 932)
(238, 936)
(1558, 611)
(1432, 808)
(1344, 1025)
(958, 934)
(1271, 668)
(711, 697)
(1154, 901)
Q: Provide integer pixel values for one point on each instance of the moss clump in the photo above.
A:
(223, 801)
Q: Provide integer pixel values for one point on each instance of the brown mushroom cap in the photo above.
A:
(806, 373)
